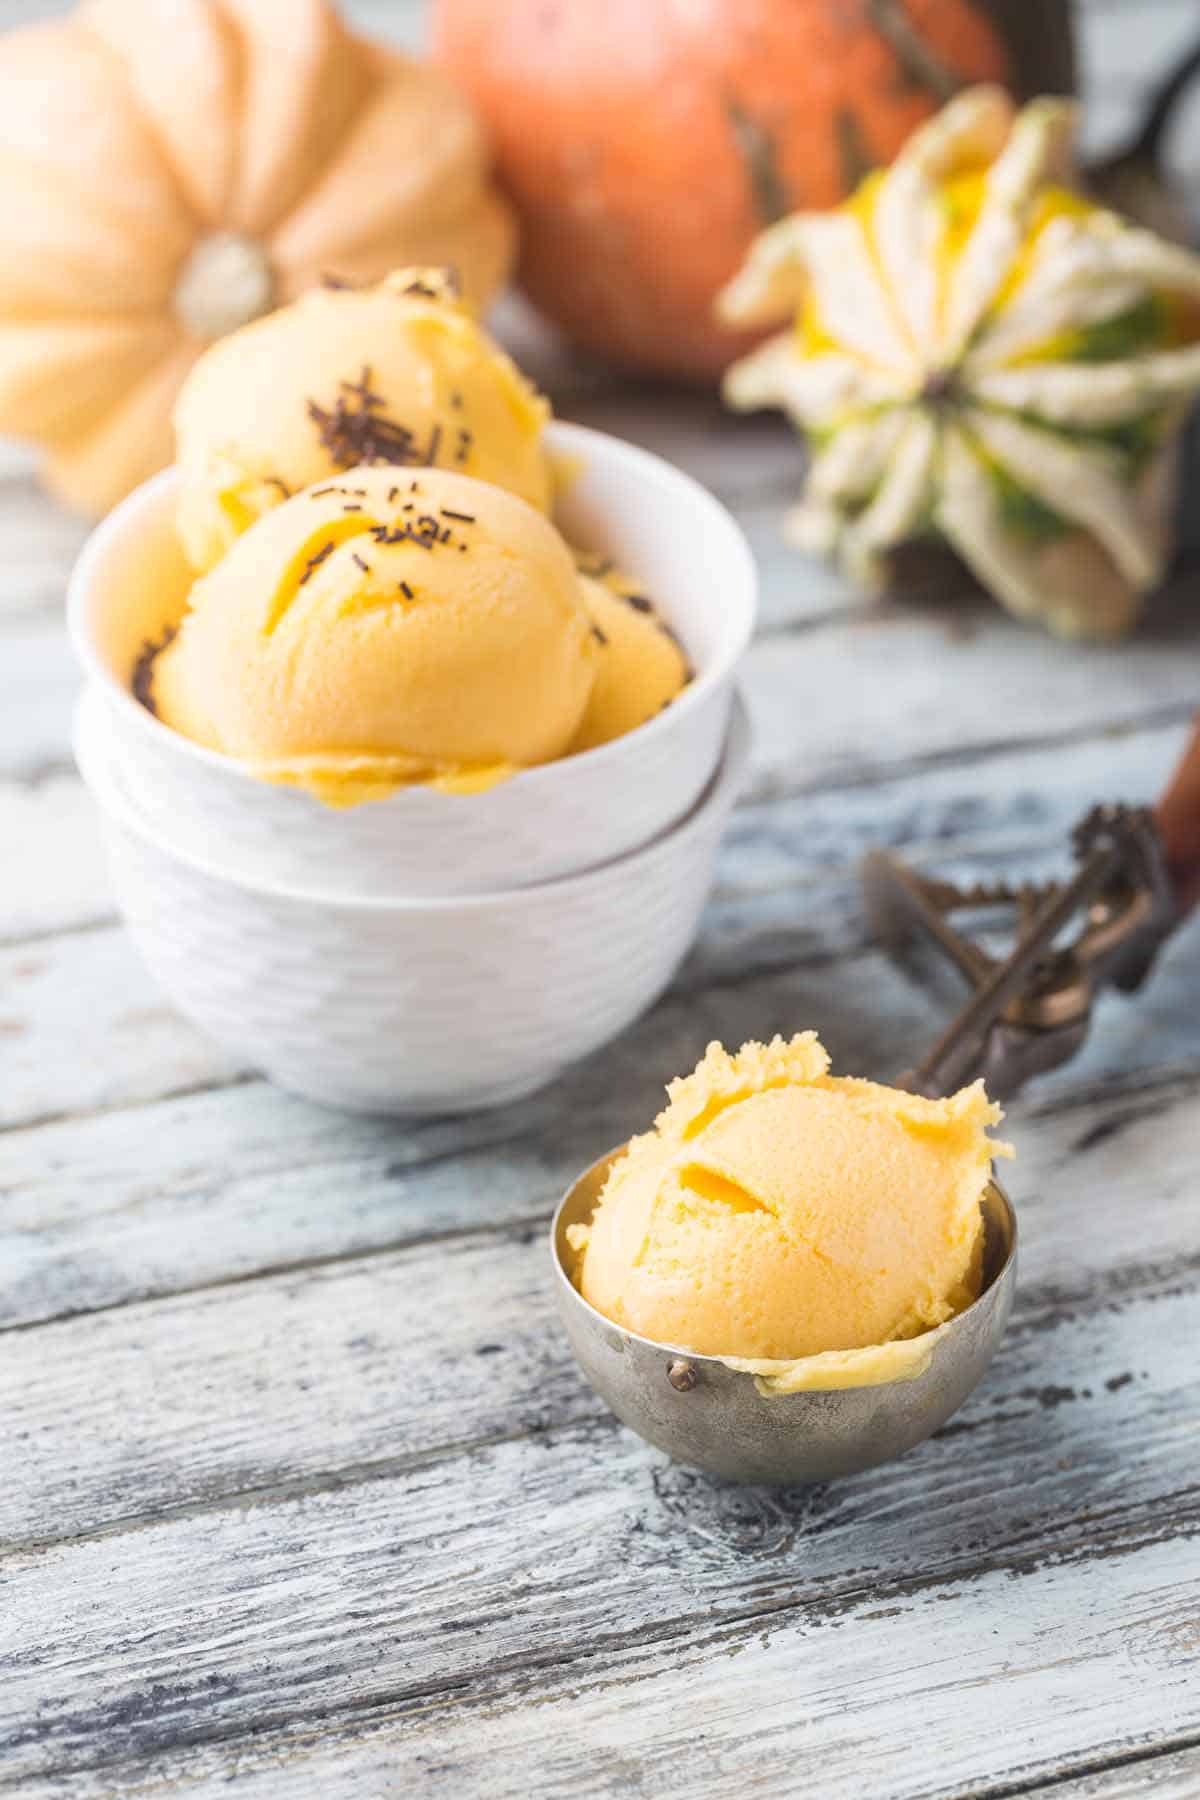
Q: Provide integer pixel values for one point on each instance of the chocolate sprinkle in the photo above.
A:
(315, 560)
(364, 566)
(448, 512)
(141, 682)
(406, 590)
(638, 602)
(600, 636)
(354, 430)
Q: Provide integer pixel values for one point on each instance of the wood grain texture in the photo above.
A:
(871, 1695)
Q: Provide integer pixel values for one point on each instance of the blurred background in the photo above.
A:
(1125, 46)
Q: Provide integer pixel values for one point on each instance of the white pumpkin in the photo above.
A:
(169, 172)
(978, 354)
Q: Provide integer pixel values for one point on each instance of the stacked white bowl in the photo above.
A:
(425, 952)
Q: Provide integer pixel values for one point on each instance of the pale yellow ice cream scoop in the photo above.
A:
(641, 666)
(387, 627)
(777, 1212)
(399, 373)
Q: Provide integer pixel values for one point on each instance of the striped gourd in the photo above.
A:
(978, 354)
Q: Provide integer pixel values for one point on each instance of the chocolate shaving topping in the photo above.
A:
(355, 430)
(404, 534)
(315, 561)
(141, 682)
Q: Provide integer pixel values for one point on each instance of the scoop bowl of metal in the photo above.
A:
(714, 1417)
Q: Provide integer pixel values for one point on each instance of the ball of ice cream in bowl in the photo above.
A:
(793, 1275)
(243, 635)
(411, 716)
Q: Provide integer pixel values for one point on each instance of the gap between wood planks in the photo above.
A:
(559, 1674)
(1080, 1780)
(1042, 1309)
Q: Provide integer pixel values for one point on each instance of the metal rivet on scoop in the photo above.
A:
(682, 1376)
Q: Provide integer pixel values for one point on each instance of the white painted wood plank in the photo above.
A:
(1162, 1776)
(990, 1684)
(82, 1026)
(38, 543)
(859, 697)
(292, 1377)
(55, 873)
(39, 688)
(768, 1657)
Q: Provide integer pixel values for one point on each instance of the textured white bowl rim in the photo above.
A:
(569, 440)
(721, 792)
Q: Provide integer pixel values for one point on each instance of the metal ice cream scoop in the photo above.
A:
(1137, 874)
(703, 1412)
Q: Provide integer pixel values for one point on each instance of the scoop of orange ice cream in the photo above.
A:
(640, 668)
(388, 627)
(399, 373)
(777, 1212)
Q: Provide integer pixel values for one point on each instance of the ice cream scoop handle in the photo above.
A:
(1178, 818)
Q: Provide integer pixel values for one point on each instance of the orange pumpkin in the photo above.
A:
(647, 143)
(169, 172)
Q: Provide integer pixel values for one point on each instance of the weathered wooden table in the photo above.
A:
(300, 1491)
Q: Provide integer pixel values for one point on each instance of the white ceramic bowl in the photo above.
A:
(131, 581)
(420, 1005)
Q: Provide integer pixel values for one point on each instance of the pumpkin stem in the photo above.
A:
(225, 282)
(772, 201)
(918, 61)
(939, 389)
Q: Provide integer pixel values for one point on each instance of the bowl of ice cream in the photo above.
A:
(408, 1005)
(370, 679)
(793, 1276)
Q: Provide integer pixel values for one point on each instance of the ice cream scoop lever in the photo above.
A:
(1137, 873)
